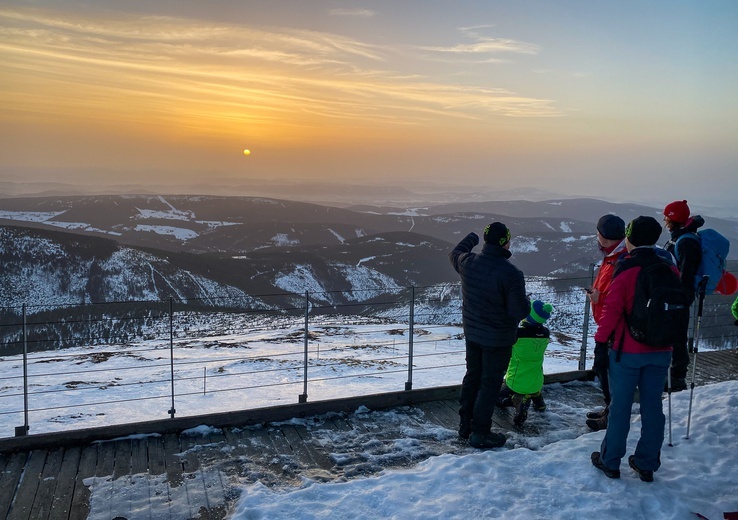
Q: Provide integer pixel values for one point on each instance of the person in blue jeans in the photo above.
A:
(632, 364)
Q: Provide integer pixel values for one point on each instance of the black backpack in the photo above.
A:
(660, 315)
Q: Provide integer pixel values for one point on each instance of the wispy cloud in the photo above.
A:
(488, 46)
(207, 75)
(483, 44)
(359, 13)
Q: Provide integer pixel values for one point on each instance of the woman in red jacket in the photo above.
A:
(639, 365)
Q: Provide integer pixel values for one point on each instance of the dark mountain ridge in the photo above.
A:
(102, 248)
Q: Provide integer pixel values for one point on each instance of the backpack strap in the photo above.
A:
(620, 348)
(625, 263)
(691, 234)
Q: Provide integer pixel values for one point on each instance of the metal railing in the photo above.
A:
(236, 355)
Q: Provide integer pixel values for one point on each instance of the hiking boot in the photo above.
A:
(598, 414)
(677, 384)
(597, 424)
(485, 441)
(504, 398)
(539, 405)
(504, 402)
(645, 474)
(521, 403)
(597, 463)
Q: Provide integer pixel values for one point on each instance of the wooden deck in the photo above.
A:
(199, 473)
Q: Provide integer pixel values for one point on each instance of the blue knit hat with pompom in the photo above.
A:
(539, 312)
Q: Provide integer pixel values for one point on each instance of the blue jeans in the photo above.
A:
(647, 372)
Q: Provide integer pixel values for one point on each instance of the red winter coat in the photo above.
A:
(619, 302)
(604, 279)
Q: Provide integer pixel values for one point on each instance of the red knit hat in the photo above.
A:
(677, 211)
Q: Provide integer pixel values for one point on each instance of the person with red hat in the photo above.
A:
(688, 254)
(634, 365)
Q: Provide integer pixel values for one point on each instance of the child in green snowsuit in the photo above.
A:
(524, 378)
(734, 310)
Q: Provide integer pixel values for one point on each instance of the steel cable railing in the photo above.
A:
(143, 347)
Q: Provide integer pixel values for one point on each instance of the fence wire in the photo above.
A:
(65, 367)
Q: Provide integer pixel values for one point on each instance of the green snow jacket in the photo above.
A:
(525, 371)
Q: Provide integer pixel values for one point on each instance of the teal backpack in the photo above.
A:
(715, 249)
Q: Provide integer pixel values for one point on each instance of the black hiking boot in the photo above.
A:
(645, 474)
(598, 414)
(539, 405)
(597, 463)
(485, 441)
(504, 398)
(521, 403)
(504, 402)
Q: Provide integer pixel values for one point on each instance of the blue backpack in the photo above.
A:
(715, 249)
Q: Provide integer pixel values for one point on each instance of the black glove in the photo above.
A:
(474, 237)
(736, 323)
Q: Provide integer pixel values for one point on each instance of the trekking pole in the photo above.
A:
(668, 386)
(701, 291)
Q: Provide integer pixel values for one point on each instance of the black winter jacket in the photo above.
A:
(688, 254)
(493, 291)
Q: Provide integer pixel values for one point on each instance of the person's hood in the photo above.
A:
(694, 223)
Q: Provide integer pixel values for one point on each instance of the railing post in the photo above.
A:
(585, 327)
(303, 397)
(411, 333)
(172, 410)
(20, 431)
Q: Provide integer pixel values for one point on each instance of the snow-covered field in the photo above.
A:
(231, 362)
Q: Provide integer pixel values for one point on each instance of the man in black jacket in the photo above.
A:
(494, 302)
(688, 254)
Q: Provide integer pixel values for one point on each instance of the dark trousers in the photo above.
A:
(680, 361)
(680, 352)
(601, 362)
(485, 369)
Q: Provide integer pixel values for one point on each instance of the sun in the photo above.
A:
(247, 152)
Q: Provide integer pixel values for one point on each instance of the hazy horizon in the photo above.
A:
(626, 101)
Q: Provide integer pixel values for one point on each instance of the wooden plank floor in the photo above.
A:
(199, 474)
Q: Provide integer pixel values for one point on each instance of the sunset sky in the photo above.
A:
(594, 98)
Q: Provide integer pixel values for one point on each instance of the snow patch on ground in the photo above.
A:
(177, 232)
(365, 259)
(282, 240)
(339, 237)
(524, 244)
(365, 282)
(301, 279)
(29, 216)
(569, 240)
(557, 481)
